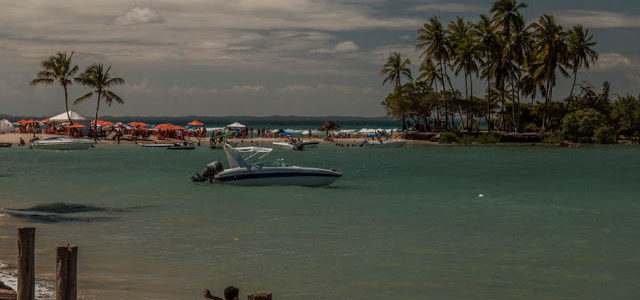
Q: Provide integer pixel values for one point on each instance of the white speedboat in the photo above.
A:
(241, 172)
(62, 143)
(384, 144)
(156, 145)
(289, 146)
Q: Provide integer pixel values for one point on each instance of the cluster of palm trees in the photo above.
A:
(514, 60)
(60, 69)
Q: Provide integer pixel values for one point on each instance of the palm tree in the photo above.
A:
(58, 68)
(488, 46)
(550, 48)
(581, 53)
(394, 69)
(99, 81)
(433, 40)
(430, 74)
(505, 14)
(465, 56)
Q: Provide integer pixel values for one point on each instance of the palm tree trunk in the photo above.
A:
(489, 105)
(471, 103)
(444, 93)
(513, 106)
(575, 77)
(66, 104)
(466, 94)
(95, 126)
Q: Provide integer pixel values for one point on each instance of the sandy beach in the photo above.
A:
(14, 138)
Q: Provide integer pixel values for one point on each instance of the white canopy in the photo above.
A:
(236, 125)
(63, 117)
(5, 126)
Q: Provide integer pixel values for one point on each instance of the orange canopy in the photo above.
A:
(102, 123)
(25, 122)
(168, 126)
(196, 123)
(77, 125)
(138, 124)
(45, 120)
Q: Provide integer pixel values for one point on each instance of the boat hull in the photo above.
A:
(313, 178)
(156, 145)
(76, 145)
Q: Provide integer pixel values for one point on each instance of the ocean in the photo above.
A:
(422, 222)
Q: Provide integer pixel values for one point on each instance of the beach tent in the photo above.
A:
(236, 126)
(63, 117)
(6, 126)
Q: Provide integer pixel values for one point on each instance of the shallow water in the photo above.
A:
(402, 223)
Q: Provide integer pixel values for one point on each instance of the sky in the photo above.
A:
(259, 57)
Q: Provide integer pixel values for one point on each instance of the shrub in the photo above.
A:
(555, 138)
(467, 140)
(606, 135)
(581, 125)
(448, 138)
(487, 139)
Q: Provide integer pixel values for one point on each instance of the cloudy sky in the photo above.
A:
(260, 57)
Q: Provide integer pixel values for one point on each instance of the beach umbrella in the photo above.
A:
(44, 121)
(173, 127)
(77, 125)
(286, 133)
(195, 123)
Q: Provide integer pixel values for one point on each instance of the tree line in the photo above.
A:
(97, 78)
(515, 60)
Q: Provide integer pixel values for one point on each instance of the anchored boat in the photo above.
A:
(241, 172)
(62, 143)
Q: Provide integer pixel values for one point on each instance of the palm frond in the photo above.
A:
(83, 98)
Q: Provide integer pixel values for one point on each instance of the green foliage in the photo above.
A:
(467, 140)
(606, 135)
(554, 138)
(626, 115)
(531, 127)
(448, 138)
(487, 139)
(580, 126)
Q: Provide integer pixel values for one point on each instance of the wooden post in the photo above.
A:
(260, 296)
(67, 272)
(26, 263)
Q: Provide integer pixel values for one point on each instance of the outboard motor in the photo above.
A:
(209, 172)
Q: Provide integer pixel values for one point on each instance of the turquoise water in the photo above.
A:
(406, 223)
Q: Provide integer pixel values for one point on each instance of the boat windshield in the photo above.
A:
(254, 152)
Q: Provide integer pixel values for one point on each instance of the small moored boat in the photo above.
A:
(240, 172)
(186, 146)
(5, 145)
(62, 143)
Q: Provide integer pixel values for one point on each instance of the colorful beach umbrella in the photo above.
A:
(195, 123)
(77, 125)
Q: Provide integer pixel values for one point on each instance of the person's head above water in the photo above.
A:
(231, 293)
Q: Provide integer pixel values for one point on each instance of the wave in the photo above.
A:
(44, 289)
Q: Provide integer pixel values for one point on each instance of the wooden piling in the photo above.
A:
(67, 272)
(260, 296)
(26, 263)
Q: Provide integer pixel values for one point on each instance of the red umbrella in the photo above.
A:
(77, 125)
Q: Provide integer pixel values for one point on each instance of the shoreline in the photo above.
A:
(414, 138)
